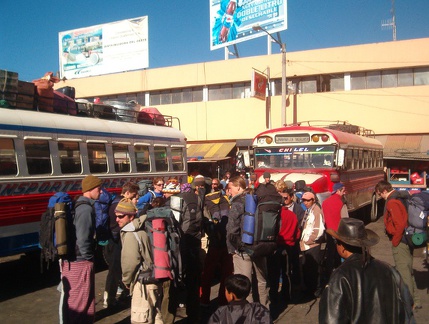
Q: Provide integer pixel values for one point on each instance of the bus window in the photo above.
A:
(142, 158)
(70, 161)
(38, 156)
(161, 163)
(7, 157)
(349, 159)
(177, 158)
(97, 158)
(365, 159)
(121, 158)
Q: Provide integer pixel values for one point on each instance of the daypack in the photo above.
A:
(187, 210)
(102, 221)
(164, 235)
(417, 206)
(145, 186)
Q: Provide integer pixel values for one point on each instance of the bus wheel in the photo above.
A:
(374, 208)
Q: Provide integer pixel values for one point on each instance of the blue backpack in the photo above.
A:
(102, 220)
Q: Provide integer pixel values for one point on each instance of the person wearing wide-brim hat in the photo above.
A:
(363, 289)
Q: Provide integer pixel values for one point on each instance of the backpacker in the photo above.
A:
(102, 221)
(417, 206)
(164, 236)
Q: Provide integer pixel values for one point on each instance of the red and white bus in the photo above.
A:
(42, 153)
(322, 156)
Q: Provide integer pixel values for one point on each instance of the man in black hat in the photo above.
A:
(362, 289)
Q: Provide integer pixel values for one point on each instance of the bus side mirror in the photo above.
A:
(340, 158)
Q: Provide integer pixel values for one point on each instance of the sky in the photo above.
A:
(179, 31)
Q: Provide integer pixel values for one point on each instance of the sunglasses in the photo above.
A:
(159, 184)
(304, 200)
(120, 216)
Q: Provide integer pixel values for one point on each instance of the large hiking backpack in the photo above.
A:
(187, 209)
(417, 206)
(164, 236)
(102, 221)
(217, 205)
(261, 224)
(53, 227)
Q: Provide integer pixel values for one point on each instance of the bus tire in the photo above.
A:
(374, 208)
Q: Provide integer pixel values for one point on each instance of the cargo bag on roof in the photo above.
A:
(151, 115)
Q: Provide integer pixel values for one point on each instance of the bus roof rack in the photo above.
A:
(342, 126)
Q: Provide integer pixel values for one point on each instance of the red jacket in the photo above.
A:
(395, 220)
(331, 208)
(289, 232)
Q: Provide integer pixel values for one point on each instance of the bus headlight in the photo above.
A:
(265, 140)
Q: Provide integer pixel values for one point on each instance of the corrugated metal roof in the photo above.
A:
(209, 151)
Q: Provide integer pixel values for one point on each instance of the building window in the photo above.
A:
(220, 92)
(421, 76)
(336, 83)
(308, 85)
(240, 90)
(166, 97)
(389, 78)
(405, 77)
(155, 98)
(7, 157)
(97, 158)
(38, 156)
(373, 80)
(70, 158)
(358, 80)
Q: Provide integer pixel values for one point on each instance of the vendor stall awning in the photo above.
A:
(405, 147)
(209, 152)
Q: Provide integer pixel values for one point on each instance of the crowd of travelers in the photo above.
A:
(319, 252)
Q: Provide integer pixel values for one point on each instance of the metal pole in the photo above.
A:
(284, 84)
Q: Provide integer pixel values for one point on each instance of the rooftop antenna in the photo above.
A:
(390, 23)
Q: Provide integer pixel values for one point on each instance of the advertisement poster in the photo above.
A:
(231, 21)
(103, 49)
(258, 84)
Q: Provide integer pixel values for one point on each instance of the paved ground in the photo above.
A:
(26, 296)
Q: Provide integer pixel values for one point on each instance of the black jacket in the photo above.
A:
(241, 312)
(371, 294)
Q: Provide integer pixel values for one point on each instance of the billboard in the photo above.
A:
(103, 49)
(231, 21)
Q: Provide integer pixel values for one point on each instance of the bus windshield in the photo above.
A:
(295, 157)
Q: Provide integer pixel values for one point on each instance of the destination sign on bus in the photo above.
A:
(295, 150)
(295, 138)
